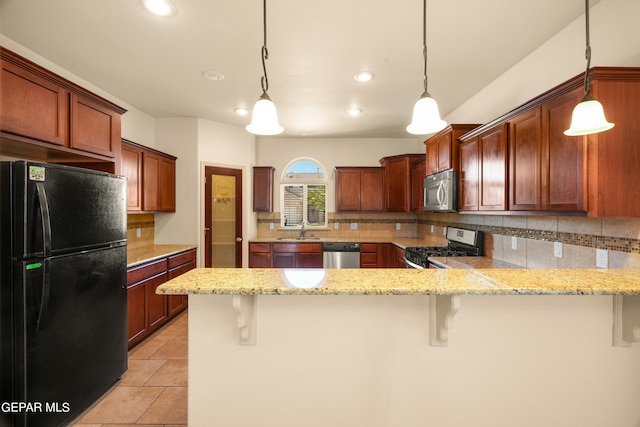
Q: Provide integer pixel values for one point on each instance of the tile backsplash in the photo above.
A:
(140, 230)
(528, 241)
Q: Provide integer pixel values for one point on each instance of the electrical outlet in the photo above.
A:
(602, 258)
(354, 225)
(272, 226)
(432, 229)
(557, 249)
(138, 232)
(336, 226)
(444, 231)
(398, 226)
(514, 243)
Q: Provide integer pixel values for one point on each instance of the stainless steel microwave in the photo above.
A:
(441, 192)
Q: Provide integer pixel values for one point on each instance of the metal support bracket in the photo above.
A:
(246, 308)
(626, 320)
(442, 309)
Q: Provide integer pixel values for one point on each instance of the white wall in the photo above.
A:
(615, 41)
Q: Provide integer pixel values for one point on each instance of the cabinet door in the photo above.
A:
(150, 180)
(525, 153)
(167, 185)
(132, 170)
(263, 189)
(284, 259)
(348, 185)
(444, 152)
(260, 255)
(372, 189)
(396, 184)
(156, 304)
(432, 157)
(418, 174)
(32, 106)
(469, 175)
(136, 312)
(309, 260)
(94, 128)
(493, 169)
(564, 183)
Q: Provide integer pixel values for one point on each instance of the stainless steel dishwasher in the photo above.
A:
(340, 255)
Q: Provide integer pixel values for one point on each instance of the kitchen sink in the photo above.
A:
(297, 239)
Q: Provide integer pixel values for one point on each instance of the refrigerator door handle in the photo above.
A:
(46, 290)
(46, 218)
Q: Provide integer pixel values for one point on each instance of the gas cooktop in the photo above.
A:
(461, 242)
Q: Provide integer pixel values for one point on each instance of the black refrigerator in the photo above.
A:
(63, 296)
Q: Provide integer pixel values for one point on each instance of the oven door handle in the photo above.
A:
(410, 264)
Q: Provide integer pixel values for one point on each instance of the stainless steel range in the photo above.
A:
(460, 242)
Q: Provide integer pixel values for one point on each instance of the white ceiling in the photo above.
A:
(315, 47)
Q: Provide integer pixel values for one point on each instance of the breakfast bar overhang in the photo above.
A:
(391, 347)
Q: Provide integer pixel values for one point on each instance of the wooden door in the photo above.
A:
(348, 182)
(150, 181)
(432, 157)
(444, 152)
(223, 217)
(525, 153)
(132, 169)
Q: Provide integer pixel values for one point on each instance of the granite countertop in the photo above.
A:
(522, 281)
(143, 254)
(471, 262)
(402, 242)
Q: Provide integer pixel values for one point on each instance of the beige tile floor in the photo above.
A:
(153, 392)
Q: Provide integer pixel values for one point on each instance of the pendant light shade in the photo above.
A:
(264, 119)
(588, 116)
(426, 115)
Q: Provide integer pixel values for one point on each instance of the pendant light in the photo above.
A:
(264, 120)
(426, 116)
(588, 115)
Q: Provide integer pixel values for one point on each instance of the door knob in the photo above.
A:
(238, 239)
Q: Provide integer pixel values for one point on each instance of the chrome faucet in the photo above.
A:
(303, 229)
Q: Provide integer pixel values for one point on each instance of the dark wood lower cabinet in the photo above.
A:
(147, 311)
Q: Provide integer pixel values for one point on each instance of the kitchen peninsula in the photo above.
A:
(390, 347)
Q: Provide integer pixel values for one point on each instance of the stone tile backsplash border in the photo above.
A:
(620, 244)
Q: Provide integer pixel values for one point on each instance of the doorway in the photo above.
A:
(223, 217)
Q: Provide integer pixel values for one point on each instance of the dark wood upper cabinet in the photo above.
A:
(549, 171)
(48, 118)
(263, 188)
(442, 148)
(418, 174)
(397, 177)
(359, 188)
(151, 178)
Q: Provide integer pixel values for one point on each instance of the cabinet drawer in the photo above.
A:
(260, 247)
(138, 273)
(297, 247)
(175, 272)
(182, 258)
(368, 247)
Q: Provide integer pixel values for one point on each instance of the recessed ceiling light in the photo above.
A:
(353, 111)
(241, 111)
(212, 75)
(160, 7)
(363, 76)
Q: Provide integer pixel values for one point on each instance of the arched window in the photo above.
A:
(303, 194)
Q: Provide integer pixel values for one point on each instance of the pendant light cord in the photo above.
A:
(264, 81)
(587, 79)
(424, 44)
